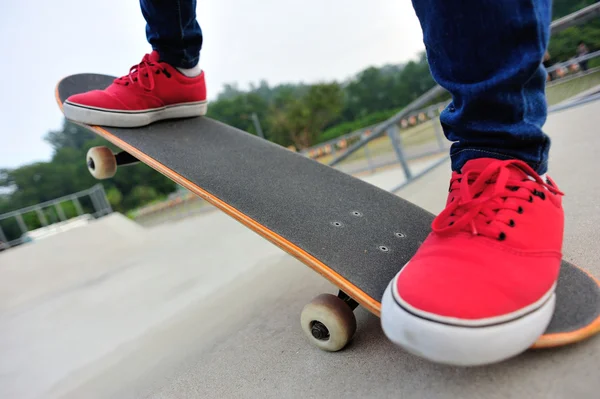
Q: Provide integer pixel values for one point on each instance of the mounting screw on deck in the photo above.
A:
(337, 224)
(383, 248)
(357, 213)
(400, 235)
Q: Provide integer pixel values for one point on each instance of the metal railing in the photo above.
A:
(383, 127)
(577, 18)
(572, 61)
(98, 204)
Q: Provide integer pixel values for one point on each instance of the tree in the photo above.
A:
(67, 173)
(563, 45)
(237, 111)
(373, 90)
(303, 119)
(70, 136)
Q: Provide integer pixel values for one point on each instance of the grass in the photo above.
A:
(411, 137)
(561, 91)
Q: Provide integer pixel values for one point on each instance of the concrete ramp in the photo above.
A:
(69, 307)
(37, 269)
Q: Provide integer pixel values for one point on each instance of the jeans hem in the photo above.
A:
(462, 156)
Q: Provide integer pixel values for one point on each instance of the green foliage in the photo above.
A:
(70, 136)
(300, 114)
(236, 110)
(301, 120)
(67, 173)
(349, 127)
(114, 197)
(560, 8)
(140, 195)
(385, 88)
(563, 45)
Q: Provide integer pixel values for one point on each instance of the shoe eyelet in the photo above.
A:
(502, 236)
(511, 223)
(450, 224)
(520, 210)
(531, 198)
(158, 71)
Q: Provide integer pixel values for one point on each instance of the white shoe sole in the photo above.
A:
(107, 117)
(462, 345)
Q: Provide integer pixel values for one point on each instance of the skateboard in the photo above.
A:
(352, 233)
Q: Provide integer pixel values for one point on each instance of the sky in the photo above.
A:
(245, 42)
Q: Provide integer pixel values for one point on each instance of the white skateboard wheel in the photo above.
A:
(328, 322)
(101, 162)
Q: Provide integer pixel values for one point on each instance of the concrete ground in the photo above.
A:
(204, 308)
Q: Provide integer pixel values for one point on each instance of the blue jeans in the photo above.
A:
(486, 53)
(173, 31)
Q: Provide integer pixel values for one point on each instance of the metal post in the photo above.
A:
(439, 133)
(95, 203)
(60, 212)
(21, 223)
(77, 204)
(257, 125)
(3, 240)
(368, 156)
(107, 208)
(41, 217)
(391, 132)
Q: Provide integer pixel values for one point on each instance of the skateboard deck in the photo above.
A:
(352, 233)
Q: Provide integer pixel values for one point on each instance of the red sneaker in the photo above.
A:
(152, 91)
(481, 287)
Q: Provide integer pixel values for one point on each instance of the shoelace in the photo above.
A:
(477, 208)
(143, 74)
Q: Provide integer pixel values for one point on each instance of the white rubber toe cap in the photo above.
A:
(463, 345)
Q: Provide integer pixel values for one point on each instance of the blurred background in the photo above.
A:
(357, 75)
(125, 288)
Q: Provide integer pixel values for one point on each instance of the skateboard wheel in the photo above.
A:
(101, 162)
(328, 322)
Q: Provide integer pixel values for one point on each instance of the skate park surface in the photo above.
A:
(204, 308)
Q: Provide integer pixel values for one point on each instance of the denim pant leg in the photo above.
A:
(173, 31)
(488, 55)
